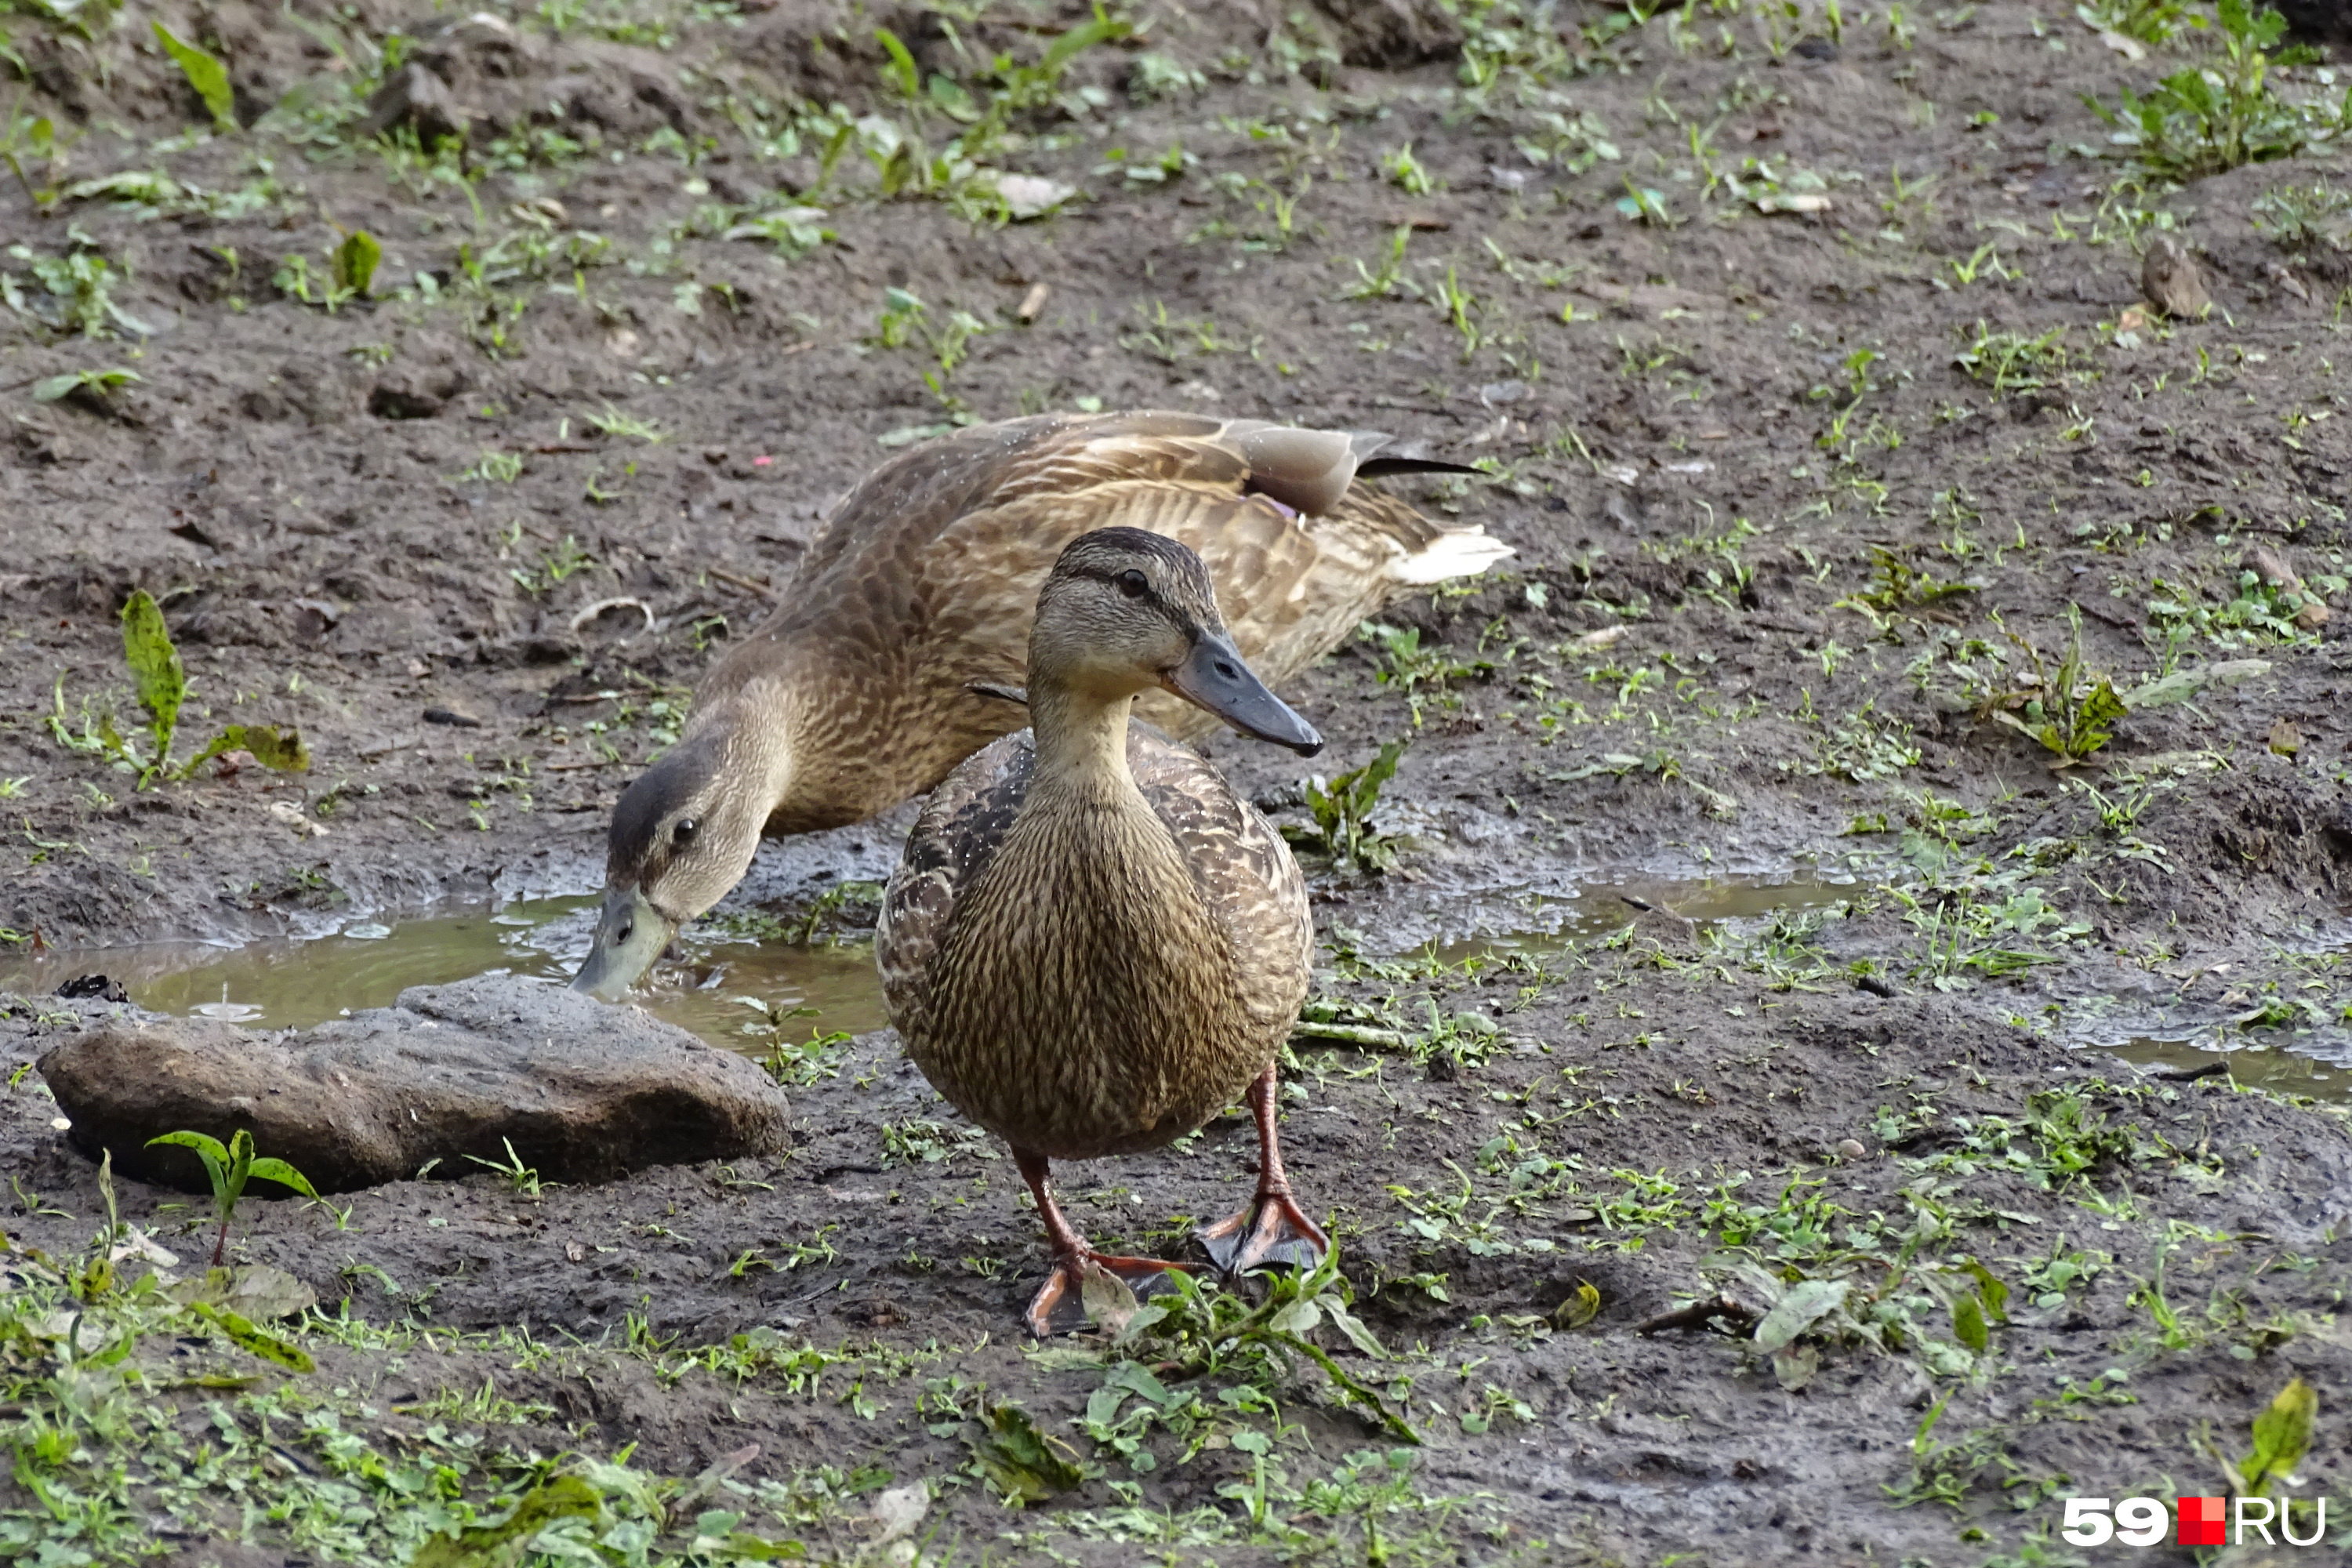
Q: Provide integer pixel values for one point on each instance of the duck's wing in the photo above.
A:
(1245, 872)
(1075, 463)
(918, 495)
(923, 585)
(951, 843)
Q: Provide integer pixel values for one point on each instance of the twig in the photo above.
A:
(588, 613)
(1370, 1038)
(1695, 1315)
(747, 584)
(720, 1469)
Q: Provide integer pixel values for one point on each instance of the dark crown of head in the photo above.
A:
(1174, 569)
(660, 791)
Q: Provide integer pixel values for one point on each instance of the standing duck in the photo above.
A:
(909, 621)
(1093, 945)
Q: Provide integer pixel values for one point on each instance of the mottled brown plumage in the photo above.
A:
(872, 680)
(1092, 945)
(1099, 966)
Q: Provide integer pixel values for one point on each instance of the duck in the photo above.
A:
(899, 647)
(1091, 945)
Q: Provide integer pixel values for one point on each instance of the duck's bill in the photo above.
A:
(1214, 679)
(630, 934)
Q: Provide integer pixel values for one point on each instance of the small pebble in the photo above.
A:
(1852, 1148)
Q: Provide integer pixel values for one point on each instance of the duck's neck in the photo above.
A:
(1081, 739)
(766, 729)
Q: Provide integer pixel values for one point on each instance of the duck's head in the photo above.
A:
(683, 835)
(1124, 610)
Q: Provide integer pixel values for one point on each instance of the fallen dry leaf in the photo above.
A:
(2173, 281)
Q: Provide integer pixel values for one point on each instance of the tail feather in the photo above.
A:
(1456, 552)
(1373, 468)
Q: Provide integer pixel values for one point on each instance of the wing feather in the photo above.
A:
(924, 583)
(948, 847)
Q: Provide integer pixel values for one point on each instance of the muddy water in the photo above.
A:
(720, 987)
(735, 993)
(728, 992)
(2260, 1066)
(1543, 924)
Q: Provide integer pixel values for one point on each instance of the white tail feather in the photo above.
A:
(1460, 552)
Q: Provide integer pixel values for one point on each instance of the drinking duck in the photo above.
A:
(908, 626)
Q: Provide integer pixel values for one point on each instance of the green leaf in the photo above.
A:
(2183, 684)
(1968, 1324)
(1580, 1307)
(1794, 1367)
(2282, 1436)
(98, 384)
(355, 261)
(281, 750)
(1024, 1462)
(285, 1176)
(240, 1162)
(208, 1150)
(209, 1147)
(1807, 1302)
(902, 72)
(487, 1546)
(258, 1342)
(743, 1546)
(2101, 707)
(1366, 782)
(155, 666)
(1993, 1294)
(1101, 30)
(1297, 1318)
(1133, 1377)
(1362, 1338)
(953, 100)
(206, 74)
(272, 747)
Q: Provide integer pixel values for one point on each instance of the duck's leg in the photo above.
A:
(1272, 1229)
(1065, 1288)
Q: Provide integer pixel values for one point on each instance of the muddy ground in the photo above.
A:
(1807, 354)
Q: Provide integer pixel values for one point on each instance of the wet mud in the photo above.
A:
(1733, 939)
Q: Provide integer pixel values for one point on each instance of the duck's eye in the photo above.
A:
(1133, 584)
(683, 834)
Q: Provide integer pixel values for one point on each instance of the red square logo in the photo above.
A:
(2202, 1520)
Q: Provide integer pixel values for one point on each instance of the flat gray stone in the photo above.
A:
(584, 1091)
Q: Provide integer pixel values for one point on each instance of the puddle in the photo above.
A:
(724, 989)
(2259, 1066)
(1545, 923)
(723, 984)
(291, 984)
